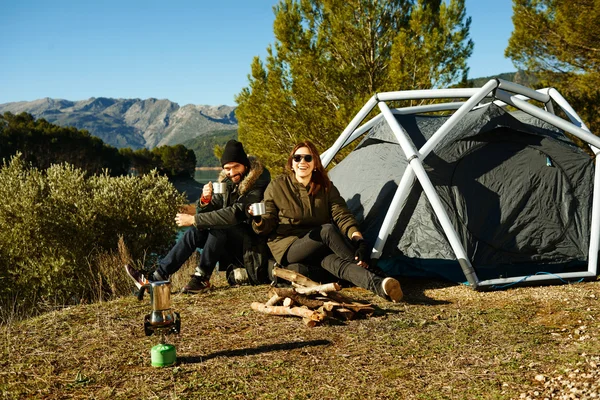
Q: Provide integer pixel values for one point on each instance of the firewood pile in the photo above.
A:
(311, 301)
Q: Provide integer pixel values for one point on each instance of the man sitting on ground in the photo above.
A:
(221, 225)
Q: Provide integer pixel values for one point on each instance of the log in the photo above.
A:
(324, 301)
(273, 300)
(299, 280)
(287, 302)
(366, 309)
(323, 289)
(298, 298)
(293, 277)
(351, 304)
(280, 310)
(344, 313)
(329, 305)
(340, 298)
(323, 310)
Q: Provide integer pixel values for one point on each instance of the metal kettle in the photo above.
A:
(162, 318)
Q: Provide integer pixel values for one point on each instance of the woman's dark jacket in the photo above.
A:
(291, 213)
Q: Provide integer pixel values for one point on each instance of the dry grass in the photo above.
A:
(112, 283)
(444, 342)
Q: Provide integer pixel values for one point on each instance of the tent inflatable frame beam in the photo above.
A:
(416, 165)
(595, 231)
(503, 93)
(342, 140)
(402, 111)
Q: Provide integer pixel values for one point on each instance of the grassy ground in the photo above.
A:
(443, 342)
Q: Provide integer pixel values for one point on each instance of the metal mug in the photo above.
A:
(219, 188)
(258, 209)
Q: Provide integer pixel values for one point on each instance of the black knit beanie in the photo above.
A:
(234, 152)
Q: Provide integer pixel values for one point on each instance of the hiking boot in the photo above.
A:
(241, 276)
(391, 287)
(197, 284)
(138, 278)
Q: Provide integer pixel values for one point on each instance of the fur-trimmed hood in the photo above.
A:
(256, 170)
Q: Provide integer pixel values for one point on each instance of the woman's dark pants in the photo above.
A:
(326, 246)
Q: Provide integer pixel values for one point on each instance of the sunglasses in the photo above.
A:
(299, 157)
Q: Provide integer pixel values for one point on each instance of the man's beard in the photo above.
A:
(232, 177)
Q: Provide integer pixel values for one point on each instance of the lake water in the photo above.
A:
(205, 175)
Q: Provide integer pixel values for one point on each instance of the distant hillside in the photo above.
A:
(131, 123)
(203, 146)
(520, 77)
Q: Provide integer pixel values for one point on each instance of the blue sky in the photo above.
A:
(190, 52)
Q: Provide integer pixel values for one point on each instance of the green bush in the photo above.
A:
(54, 223)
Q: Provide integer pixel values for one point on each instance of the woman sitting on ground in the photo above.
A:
(308, 222)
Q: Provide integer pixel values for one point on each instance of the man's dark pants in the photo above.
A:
(218, 245)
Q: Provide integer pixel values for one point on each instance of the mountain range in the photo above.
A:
(133, 123)
(149, 123)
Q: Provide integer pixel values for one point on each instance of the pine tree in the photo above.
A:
(331, 56)
(559, 41)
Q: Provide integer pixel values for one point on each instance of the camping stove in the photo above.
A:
(162, 320)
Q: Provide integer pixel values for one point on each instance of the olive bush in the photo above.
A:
(53, 222)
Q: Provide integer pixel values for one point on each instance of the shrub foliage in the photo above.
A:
(557, 42)
(53, 222)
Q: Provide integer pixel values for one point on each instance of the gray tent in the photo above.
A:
(500, 197)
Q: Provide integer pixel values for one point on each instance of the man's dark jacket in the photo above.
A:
(228, 211)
